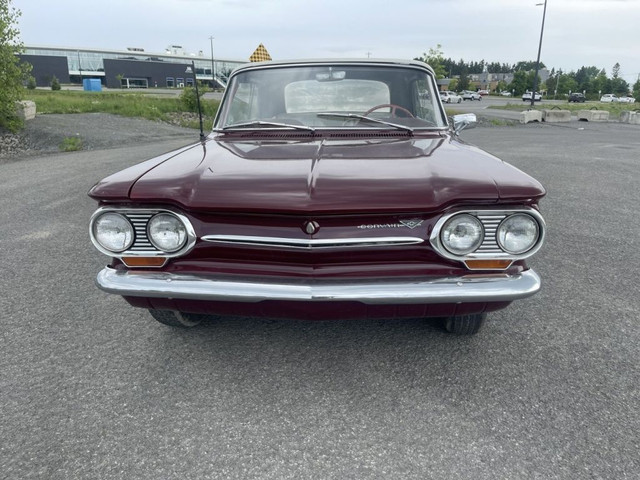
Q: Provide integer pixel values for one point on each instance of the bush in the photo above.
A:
(71, 144)
(189, 100)
(13, 73)
(31, 83)
(55, 84)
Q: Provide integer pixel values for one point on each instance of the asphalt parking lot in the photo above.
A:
(91, 388)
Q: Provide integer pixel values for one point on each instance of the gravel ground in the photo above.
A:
(96, 131)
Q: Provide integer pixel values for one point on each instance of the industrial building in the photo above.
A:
(130, 68)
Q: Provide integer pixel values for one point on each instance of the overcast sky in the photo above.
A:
(577, 32)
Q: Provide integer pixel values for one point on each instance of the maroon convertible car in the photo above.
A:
(327, 189)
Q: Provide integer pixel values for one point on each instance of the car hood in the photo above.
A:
(323, 175)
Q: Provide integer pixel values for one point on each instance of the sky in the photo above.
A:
(577, 33)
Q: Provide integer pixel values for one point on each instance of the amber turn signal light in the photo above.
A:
(487, 264)
(144, 261)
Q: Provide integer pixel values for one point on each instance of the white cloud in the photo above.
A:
(577, 32)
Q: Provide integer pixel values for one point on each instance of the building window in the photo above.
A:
(171, 82)
(134, 83)
(180, 82)
(189, 82)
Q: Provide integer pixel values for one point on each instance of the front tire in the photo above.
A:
(465, 324)
(177, 319)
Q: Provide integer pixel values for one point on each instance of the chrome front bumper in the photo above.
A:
(464, 289)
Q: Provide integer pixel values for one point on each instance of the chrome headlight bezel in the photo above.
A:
(503, 228)
(120, 223)
(142, 246)
(461, 224)
(177, 224)
(489, 248)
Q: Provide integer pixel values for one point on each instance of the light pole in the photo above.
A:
(535, 78)
(213, 65)
(79, 66)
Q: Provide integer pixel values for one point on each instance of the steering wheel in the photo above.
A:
(394, 108)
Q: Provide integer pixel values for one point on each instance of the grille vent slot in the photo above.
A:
(490, 223)
(141, 243)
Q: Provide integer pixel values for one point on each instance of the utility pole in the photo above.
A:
(535, 78)
(213, 65)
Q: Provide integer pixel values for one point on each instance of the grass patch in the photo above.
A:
(498, 122)
(70, 144)
(120, 103)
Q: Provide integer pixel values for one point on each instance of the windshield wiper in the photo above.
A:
(262, 123)
(368, 119)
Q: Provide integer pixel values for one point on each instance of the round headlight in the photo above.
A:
(167, 232)
(113, 232)
(462, 234)
(518, 233)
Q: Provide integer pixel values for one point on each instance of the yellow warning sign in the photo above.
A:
(260, 55)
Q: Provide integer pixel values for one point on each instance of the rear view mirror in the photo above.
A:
(464, 120)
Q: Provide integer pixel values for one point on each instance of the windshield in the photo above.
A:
(337, 96)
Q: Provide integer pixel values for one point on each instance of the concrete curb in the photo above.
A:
(556, 116)
(630, 117)
(593, 115)
(26, 109)
(530, 116)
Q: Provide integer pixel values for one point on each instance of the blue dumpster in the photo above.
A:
(92, 85)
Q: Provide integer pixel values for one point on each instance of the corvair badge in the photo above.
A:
(411, 223)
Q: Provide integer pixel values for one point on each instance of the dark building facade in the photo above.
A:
(44, 68)
(133, 68)
(146, 74)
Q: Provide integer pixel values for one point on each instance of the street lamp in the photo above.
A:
(213, 65)
(535, 78)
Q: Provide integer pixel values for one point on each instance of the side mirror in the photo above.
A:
(464, 120)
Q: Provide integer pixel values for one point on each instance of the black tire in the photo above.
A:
(177, 319)
(465, 324)
(459, 100)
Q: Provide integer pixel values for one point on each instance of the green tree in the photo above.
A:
(566, 83)
(12, 72)
(636, 89)
(463, 81)
(435, 60)
(55, 83)
(520, 83)
(619, 86)
(615, 71)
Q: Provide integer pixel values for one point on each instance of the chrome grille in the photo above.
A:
(490, 223)
(139, 222)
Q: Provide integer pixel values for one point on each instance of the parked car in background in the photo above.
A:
(469, 95)
(526, 97)
(450, 97)
(483, 92)
(505, 93)
(327, 189)
(577, 97)
(609, 98)
(626, 99)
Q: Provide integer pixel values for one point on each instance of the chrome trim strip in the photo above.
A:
(311, 244)
(497, 287)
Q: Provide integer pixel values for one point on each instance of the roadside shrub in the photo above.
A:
(71, 144)
(55, 83)
(189, 99)
(31, 83)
